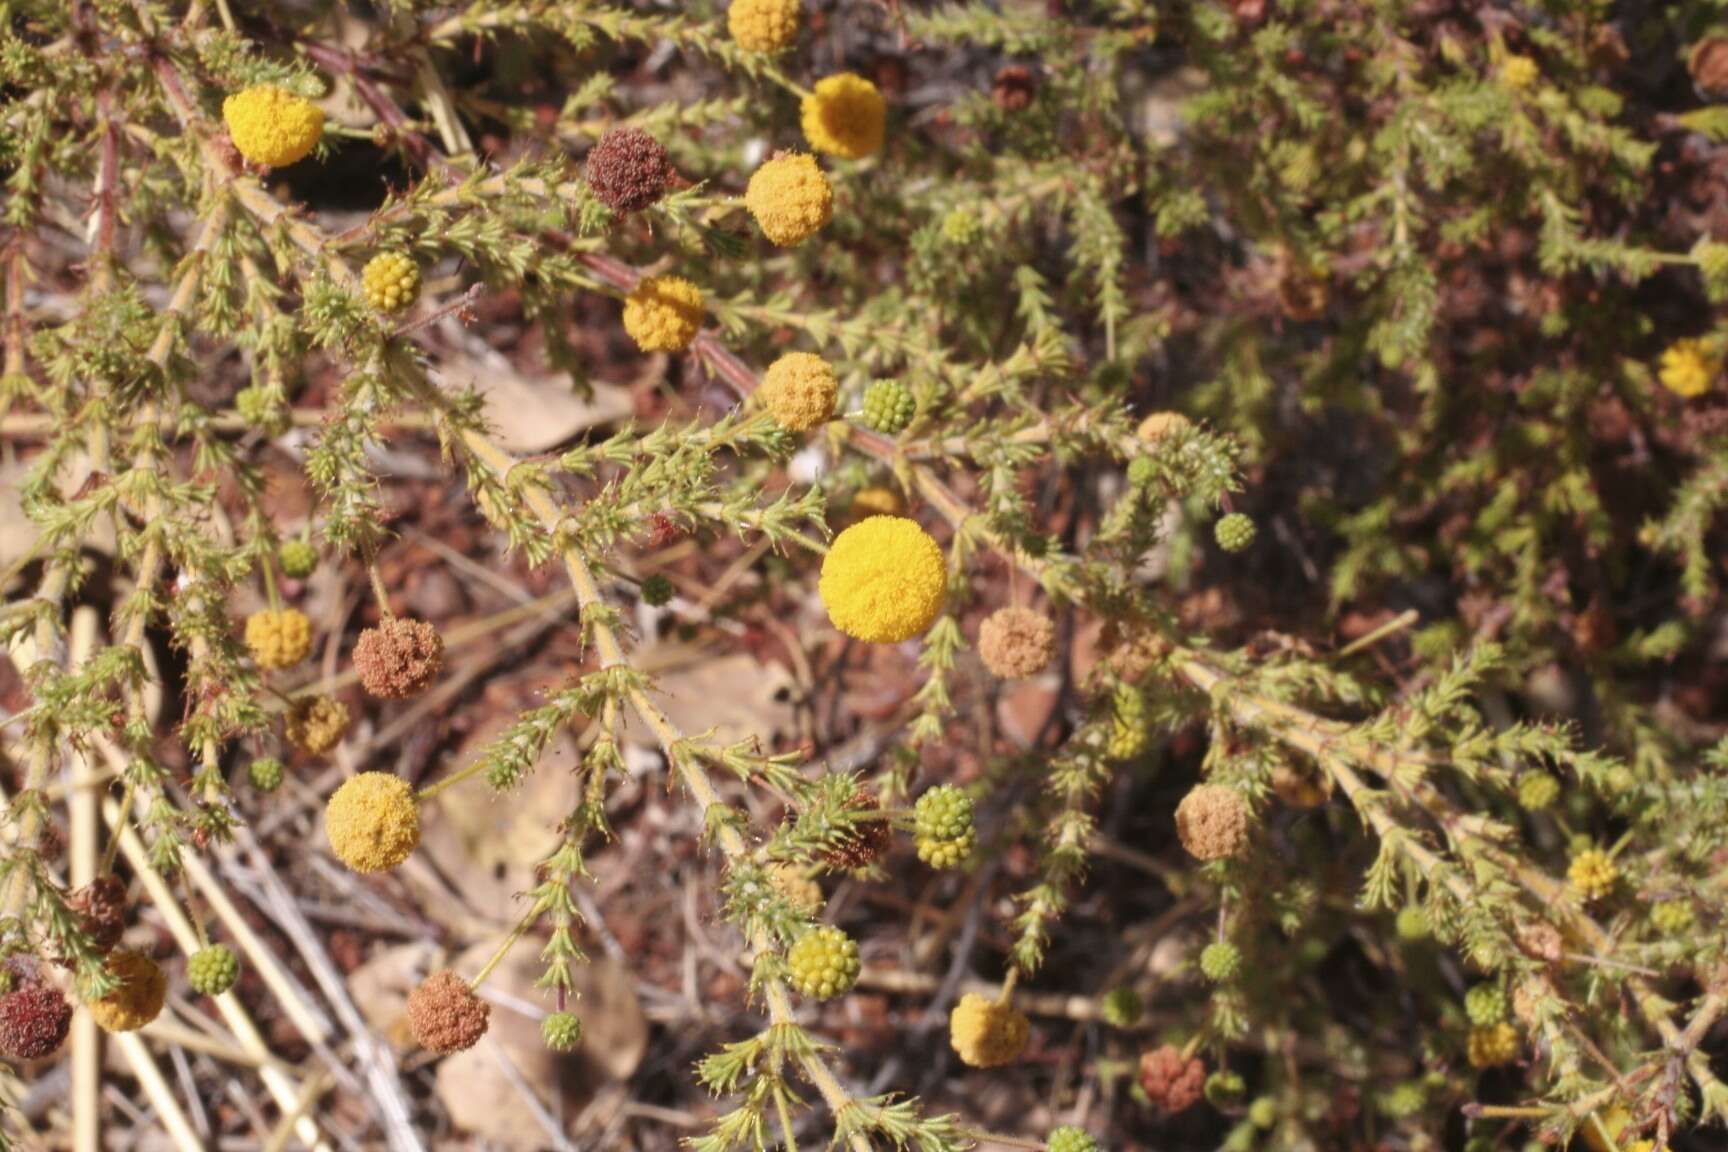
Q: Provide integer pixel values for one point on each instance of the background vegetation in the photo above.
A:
(1335, 385)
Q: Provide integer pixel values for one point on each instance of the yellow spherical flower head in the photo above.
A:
(1519, 72)
(790, 198)
(883, 580)
(372, 822)
(1491, 1046)
(799, 390)
(136, 999)
(845, 116)
(877, 500)
(1688, 369)
(1593, 874)
(763, 25)
(390, 281)
(279, 638)
(987, 1034)
(662, 313)
(272, 126)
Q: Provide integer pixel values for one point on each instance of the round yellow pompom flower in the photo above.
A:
(790, 198)
(1519, 72)
(137, 999)
(1492, 1046)
(280, 638)
(799, 390)
(987, 1034)
(272, 126)
(1688, 369)
(390, 281)
(845, 117)
(372, 822)
(1593, 874)
(763, 25)
(883, 580)
(662, 313)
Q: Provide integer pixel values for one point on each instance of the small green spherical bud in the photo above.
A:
(657, 591)
(1621, 780)
(259, 409)
(942, 827)
(1413, 924)
(561, 1031)
(212, 971)
(1404, 1100)
(1220, 962)
(1234, 532)
(1223, 1088)
(823, 963)
(888, 407)
(1071, 1139)
(299, 559)
(1122, 1007)
(1142, 470)
(1673, 917)
(1537, 790)
(960, 227)
(1263, 1113)
(1485, 1004)
(265, 773)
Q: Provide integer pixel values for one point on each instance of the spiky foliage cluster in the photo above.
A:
(1409, 586)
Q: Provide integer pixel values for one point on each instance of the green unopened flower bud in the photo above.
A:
(942, 827)
(1404, 1100)
(212, 971)
(823, 963)
(299, 559)
(657, 591)
(888, 407)
(1485, 1004)
(1071, 1139)
(1142, 470)
(1122, 1007)
(259, 409)
(1221, 962)
(1412, 924)
(265, 773)
(1234, 532)
(1224, 1088)
(960, 227)
(561, 1031)
(1537, 790)
(1673, 917)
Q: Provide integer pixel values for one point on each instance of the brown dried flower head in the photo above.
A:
(101, 910)
(1708, 63)
(1212, 821)
(628, 169)
(865, 841)
(445, 1015)
(34, 1019)
(1015, 643)
(1171, 1081)
(1541, 941)
(1132, 649)
(1014, 87)
(399, 658)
